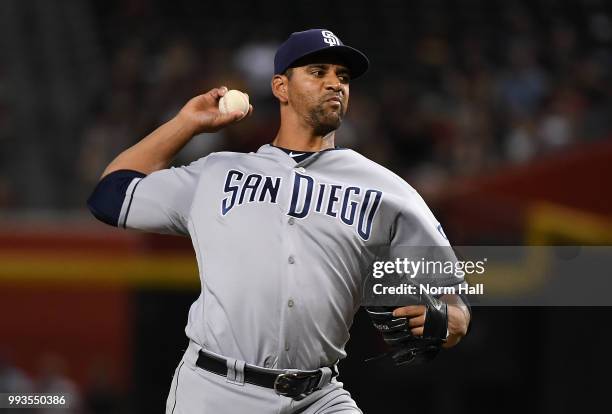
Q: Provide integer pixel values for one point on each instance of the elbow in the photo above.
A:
(100, 211)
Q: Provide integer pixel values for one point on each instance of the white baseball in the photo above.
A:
(234, 100)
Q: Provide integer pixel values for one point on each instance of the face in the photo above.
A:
(319, 94)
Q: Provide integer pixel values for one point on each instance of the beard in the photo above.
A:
(325, 120)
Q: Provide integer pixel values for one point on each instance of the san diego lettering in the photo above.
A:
(351, 205)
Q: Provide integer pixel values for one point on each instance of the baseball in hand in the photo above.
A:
(234, 100)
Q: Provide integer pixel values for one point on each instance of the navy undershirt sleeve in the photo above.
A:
(107, 198)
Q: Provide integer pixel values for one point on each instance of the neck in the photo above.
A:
(297, 136)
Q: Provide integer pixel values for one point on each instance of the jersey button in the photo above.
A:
(291, 221)
(301, 170)
(290, 303)
(291, 260)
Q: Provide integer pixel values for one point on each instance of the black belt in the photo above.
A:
(294, 384)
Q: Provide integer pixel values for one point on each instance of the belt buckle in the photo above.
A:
(290, 384)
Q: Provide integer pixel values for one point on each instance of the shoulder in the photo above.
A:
(383, 177)
(214, 160)
(399, 195)
(227, 157)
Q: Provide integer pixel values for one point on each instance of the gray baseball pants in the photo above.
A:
(197, 391)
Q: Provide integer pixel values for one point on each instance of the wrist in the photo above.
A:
(185, 124)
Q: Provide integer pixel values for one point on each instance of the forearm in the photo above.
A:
(458, 320)
(156, 150)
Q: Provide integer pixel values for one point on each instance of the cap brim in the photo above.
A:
(355, 61)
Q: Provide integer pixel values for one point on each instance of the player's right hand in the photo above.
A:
(201, 113)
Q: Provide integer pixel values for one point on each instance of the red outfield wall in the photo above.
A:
(68, 293)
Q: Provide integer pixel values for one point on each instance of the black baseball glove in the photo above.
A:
(406, 347)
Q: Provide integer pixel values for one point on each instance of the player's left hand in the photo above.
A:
(415, 315)
(457, 321)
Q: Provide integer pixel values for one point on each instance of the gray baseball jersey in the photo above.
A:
(282, 247)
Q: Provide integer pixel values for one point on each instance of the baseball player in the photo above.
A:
(283, 238)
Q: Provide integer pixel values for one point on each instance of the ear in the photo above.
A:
(279, 88)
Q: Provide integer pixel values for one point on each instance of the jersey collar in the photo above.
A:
(281, 157)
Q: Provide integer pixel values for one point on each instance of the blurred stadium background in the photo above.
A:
(498, 112)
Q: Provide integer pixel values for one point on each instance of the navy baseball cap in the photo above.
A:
(313, 42)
